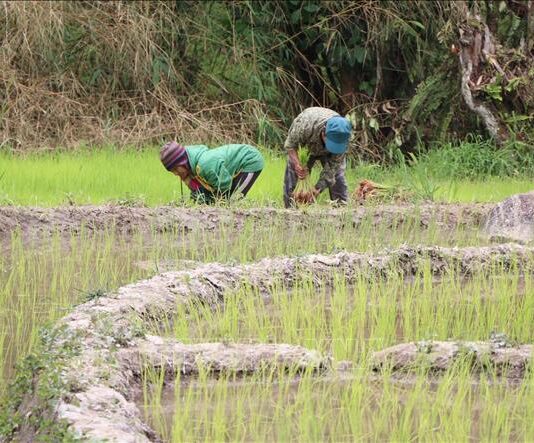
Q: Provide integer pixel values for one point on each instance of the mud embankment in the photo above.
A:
(72, 219)
(103, 344)
(503, 359)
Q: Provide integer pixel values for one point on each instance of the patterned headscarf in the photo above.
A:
(172, 154)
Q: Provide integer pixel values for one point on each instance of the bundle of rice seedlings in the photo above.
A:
(303, 192)
(369, 189)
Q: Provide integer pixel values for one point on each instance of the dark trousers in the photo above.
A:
(241, 183)
(338, 191)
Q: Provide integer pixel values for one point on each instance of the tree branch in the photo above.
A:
(530, 27)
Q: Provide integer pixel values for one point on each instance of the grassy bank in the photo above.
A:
(137, 177)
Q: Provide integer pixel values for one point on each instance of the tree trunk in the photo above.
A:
(476, 47)
(348, 82)
(530, 27)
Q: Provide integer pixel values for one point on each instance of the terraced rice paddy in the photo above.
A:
(53, 264)
(349, 323)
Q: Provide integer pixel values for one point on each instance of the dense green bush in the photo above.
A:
(477, 158)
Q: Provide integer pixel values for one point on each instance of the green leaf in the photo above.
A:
(311, 7)
(295, 17)
(359, 53)
(513, 84)
(95, 77)
(373, 123)
(494, 91)
(417, 24)
(303, 155)
(366, 87)
(518, 118)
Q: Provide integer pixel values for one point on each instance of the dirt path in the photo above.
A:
(35, 222)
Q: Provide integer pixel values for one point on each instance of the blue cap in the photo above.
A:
(337, 133)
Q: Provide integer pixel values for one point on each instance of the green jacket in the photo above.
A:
(216, 168)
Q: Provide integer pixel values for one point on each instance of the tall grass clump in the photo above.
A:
(124, 72)
(476, 158)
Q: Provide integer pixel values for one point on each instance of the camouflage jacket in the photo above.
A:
(306, 131)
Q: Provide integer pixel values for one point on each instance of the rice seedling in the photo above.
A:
(266, 408)
(52, 179)
(303, 190)
(349, 322)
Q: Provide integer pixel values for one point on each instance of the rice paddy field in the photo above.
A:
(45, 274)
(137, 177)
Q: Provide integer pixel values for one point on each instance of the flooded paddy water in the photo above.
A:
(366, 407)
(47, 269)
(355, 401)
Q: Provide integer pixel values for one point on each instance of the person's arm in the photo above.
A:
(296, 137)
(301, 170)
(328, 174)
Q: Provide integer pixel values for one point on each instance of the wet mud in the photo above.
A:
(35, 222)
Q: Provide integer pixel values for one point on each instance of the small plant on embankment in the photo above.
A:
(30, 407)
(94, 294)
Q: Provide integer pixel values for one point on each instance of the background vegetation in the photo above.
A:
(132, 73)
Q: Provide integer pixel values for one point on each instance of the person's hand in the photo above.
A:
(302, 171)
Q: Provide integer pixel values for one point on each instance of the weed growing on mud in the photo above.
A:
(95, 294)
(39, 375)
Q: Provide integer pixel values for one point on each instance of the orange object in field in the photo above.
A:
(366, 189)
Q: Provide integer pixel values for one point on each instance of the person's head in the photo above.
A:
(336, 134)
(174, 158)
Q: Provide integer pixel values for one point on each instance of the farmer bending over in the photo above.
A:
(214, 173)
(326, 135)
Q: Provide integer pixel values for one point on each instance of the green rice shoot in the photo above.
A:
(304, 186)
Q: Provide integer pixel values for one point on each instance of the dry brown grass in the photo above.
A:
(83, 72)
